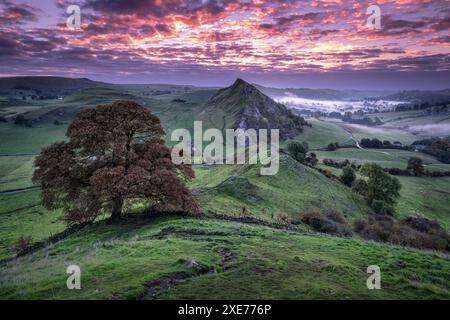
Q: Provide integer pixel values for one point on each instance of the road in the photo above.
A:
(351, 137)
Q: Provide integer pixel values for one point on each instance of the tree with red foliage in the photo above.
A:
(115, 158)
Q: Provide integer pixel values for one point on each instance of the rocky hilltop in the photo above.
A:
(244, 106)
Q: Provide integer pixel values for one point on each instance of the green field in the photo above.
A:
(120, 261)
(322, 133)
(387, 158)
(425, 196)
(392, 134)
(429, 197)
(22, 215)
(22, 140)
(15, 172)
(407, 119)
(17, 149)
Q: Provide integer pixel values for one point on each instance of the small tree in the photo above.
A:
(379, 185)
(20, 120)
(312, 159)
(115, 157)
(23, 244)
(348, 176)
(415, 165)
(332, 146)
(298, 150)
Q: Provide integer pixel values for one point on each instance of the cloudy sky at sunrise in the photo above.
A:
(210, 42)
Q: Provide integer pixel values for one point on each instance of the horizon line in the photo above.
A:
(214, 86)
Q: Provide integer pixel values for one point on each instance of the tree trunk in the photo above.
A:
(116, 212)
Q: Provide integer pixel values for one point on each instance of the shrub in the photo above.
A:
(20, 120)
(348, 176)
(330, 221)
(423, 225)
(377, 228)
(312, 159)
(414, 232)
(361, 187)
(337, 164)
(332, 146)
(437, 174)
(415, 166)
(388, 211)
(282, 218)
(23, 244)
(381, 208)
(335, 215)
(327, 173)
(397, 172)
(359, 225)
(298, 150)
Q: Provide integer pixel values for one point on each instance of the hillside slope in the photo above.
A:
(419, 96)
(45, 86)
(66, 109)
(228, 189)
(188, 258)
(321, 94)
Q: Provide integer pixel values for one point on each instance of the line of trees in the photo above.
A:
(416, 168)
(437, 147)
(340, 164)
(386, 144)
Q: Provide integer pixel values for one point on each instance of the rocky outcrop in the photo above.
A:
(251, 109)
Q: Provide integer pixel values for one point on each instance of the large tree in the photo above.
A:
(115, 158)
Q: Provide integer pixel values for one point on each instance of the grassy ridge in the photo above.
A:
(117, 260)
(294, 188)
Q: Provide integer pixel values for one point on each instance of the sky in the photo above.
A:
(293, 43)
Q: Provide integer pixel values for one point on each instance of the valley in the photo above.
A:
(210, 258)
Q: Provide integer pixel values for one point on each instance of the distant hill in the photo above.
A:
(418, 96)
(322, 94)
(66, 109)
(243, 106)
(45, 87)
